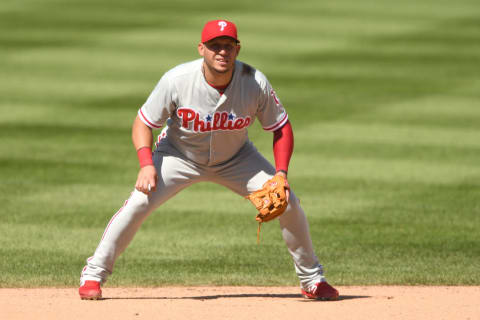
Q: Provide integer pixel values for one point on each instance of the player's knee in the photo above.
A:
(139, 201)
(293, 200)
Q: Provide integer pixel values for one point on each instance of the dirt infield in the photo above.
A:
(243, 303)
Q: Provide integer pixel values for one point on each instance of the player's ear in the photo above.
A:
(238, 48)
(201, 49)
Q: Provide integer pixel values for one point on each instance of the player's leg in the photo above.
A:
(247, 172)
(174, 174)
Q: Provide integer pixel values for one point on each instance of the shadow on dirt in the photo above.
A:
(227, 296)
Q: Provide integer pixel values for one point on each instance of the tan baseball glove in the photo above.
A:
(271, 200)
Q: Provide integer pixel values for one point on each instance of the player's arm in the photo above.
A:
(283, 149)
(142, 138)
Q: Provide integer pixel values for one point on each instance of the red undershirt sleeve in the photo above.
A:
(283, 146)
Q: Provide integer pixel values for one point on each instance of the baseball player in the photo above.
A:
(205, 108)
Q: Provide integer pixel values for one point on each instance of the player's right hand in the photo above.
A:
(147, 180)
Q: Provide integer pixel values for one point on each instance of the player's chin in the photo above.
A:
(222, 70)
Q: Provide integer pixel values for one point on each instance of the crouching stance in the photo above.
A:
(206, 107)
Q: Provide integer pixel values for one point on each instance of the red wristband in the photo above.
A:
(145, 156)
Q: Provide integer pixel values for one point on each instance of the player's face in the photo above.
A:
(220, 53)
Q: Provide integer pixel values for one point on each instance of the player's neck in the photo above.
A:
(217, 79)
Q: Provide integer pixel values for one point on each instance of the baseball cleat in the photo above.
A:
(321, 291)
(90, 290)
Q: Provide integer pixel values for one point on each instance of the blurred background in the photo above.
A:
(383, 97)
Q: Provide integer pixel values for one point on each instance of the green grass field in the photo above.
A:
(383, 96)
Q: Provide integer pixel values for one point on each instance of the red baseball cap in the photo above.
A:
(219, 28)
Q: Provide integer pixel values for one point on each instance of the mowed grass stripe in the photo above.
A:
(352, 131)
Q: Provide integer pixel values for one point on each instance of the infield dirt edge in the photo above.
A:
(356, 302)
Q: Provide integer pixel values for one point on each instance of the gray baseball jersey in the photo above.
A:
(205, 126)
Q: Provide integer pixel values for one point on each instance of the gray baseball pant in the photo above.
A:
(243, 174)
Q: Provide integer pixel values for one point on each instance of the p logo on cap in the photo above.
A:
(222, 25)
(219, 28)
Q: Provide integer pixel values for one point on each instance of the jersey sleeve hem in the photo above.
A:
(277, 125)
(146, 121)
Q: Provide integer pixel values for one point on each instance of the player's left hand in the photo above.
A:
(284, 175)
